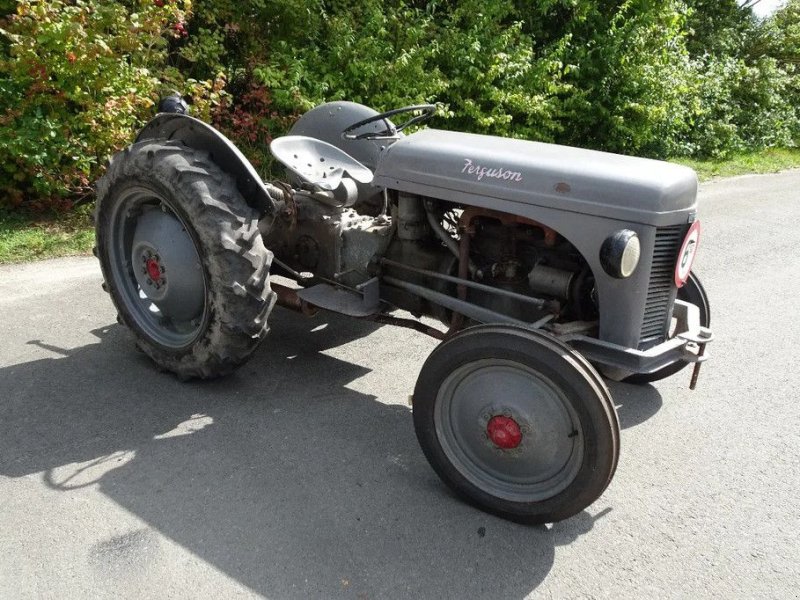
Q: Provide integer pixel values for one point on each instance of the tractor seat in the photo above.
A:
(324, 167)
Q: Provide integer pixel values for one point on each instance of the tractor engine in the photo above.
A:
(506, 252)
(523, 256)
(332, 242)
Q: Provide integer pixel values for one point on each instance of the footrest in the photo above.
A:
(362, 303)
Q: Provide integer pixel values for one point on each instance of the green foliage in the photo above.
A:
(741, 106)
(720, 27)
(669, 78)
(492, 78)
(631, 77)
(780, 39)
(76, 78)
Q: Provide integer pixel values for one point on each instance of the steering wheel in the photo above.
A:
(391, 131)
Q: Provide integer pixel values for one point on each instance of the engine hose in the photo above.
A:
(448, 241)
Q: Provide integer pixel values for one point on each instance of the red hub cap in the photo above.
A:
(153, 269)
(504, 432)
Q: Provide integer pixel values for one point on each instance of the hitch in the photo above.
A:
(703, 337)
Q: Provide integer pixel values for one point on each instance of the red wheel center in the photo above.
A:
(504, 432)
(153, 269)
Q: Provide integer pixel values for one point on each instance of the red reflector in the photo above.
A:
(153, 269)
(687, 254)
(504, 432)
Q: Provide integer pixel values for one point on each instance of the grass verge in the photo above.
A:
(771, 160)
(24, 238)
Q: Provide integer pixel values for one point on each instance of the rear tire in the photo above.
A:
(182, 259)
(516, 423)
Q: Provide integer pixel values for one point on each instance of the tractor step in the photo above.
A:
(361, 302)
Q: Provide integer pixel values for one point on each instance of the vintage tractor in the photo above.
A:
(547, 265)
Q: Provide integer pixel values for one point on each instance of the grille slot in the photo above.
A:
(661, 288)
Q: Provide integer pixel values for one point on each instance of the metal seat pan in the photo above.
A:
(318, 163)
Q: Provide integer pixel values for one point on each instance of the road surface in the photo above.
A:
(300, 476)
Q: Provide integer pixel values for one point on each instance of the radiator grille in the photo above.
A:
(661, 288)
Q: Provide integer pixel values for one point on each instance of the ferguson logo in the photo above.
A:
(481, 172)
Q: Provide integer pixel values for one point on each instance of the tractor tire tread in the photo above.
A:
(236, 262)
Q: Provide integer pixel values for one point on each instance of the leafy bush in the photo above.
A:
(671, 78)
(780, 39)
(741, 106)
(630, 78)
(75, 79)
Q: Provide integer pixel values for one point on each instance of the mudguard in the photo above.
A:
(201, 136)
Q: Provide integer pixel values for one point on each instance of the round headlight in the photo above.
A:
(620, 253)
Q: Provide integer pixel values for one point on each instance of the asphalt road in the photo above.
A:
(300, 476)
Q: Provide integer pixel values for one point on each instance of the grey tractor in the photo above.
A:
(543, 270)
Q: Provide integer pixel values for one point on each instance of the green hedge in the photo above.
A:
(670, 78)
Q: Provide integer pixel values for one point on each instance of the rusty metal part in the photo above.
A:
(408, 324)
(550, 281)
(289, 212)
(472, 212)
(288, 298)
(443, 235)
(697, 365)
(696, 371)
(472, 311)
(551, 305)
(701, 338)
(467, 230)
(456, 324)
(457, 321)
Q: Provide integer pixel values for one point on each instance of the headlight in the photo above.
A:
(620, 253)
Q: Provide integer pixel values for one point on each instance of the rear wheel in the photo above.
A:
(182, 258)
(517, 423)
(694, 293)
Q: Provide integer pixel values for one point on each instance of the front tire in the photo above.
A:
(517, 423)
(182, 259)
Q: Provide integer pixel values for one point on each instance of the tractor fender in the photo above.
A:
(201, 136)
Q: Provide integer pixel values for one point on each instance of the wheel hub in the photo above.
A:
(519, 447)
(167, 267)
(154, 269)
(504, 432)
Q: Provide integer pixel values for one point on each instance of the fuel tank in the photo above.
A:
(454, 166)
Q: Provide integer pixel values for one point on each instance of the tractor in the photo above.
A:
(544, 270)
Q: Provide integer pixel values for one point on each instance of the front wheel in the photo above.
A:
(517, 423)
(182, 258)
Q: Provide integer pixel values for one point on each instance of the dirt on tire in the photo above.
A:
(224, 229)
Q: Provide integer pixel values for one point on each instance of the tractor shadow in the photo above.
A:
(282, 476)
(635, 403)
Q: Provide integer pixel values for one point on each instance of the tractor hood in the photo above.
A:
(477, 168)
